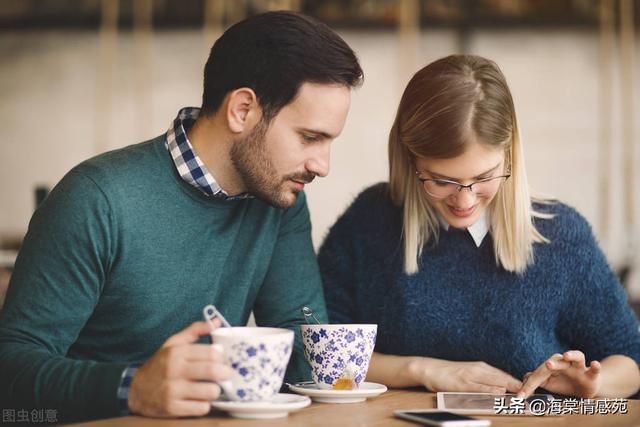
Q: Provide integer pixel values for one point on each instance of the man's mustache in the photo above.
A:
(305, 178)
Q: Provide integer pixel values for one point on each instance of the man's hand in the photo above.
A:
(176, 380)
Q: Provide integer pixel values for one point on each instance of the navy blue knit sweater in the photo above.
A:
(461, 306)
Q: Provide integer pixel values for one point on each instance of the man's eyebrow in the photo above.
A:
(436, 175)
(323, 134)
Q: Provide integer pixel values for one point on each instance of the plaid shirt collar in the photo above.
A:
(186, 160)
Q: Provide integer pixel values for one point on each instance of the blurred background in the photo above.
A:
(80, 77)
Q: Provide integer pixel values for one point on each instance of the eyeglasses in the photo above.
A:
(443, 188)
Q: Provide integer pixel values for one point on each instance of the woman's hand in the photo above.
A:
(444, 375)
(565, 374)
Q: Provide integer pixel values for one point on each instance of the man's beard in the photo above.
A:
(251, 160)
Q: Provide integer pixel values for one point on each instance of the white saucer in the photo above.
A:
(278, 407)
(339, 396)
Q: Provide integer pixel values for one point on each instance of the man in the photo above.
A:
(130, 245)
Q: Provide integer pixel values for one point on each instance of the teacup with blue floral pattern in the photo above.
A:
(259, 357)
(332, 350)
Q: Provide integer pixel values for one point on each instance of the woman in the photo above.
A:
(474, 285)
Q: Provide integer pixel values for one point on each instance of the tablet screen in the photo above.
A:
(485, 403)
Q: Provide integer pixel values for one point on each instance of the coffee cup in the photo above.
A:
(259, 358)
(338, 353)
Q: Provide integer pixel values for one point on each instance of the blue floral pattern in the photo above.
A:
(259, 369)
(333, 349)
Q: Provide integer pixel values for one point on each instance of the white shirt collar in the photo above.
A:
(478, 230)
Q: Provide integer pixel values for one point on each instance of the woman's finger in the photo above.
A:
(576, 358)
(557, 365)
(535, 380)
(483, 388)
(494, 377)
(594, 369)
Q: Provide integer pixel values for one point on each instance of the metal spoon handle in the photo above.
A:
(210, 312)
(308, 313)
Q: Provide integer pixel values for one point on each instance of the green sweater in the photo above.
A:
(123, 254)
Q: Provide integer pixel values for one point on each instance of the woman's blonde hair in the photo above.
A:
(447, 105)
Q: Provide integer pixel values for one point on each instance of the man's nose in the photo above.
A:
(318, 162)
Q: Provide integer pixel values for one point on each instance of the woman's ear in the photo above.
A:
(242, 105)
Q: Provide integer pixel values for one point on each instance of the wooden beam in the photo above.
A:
(142, 37)
(605, 108)
(627, 87)
(107, 52)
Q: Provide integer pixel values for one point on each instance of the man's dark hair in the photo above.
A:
(274, 53)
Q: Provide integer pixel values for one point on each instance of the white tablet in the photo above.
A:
(494, 404)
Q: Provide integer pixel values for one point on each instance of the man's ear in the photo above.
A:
(242, 109)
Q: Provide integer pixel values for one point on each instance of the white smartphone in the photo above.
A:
(436, 417)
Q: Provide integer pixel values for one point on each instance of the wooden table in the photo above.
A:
(376, 412)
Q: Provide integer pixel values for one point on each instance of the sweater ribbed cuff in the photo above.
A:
(103, 401)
